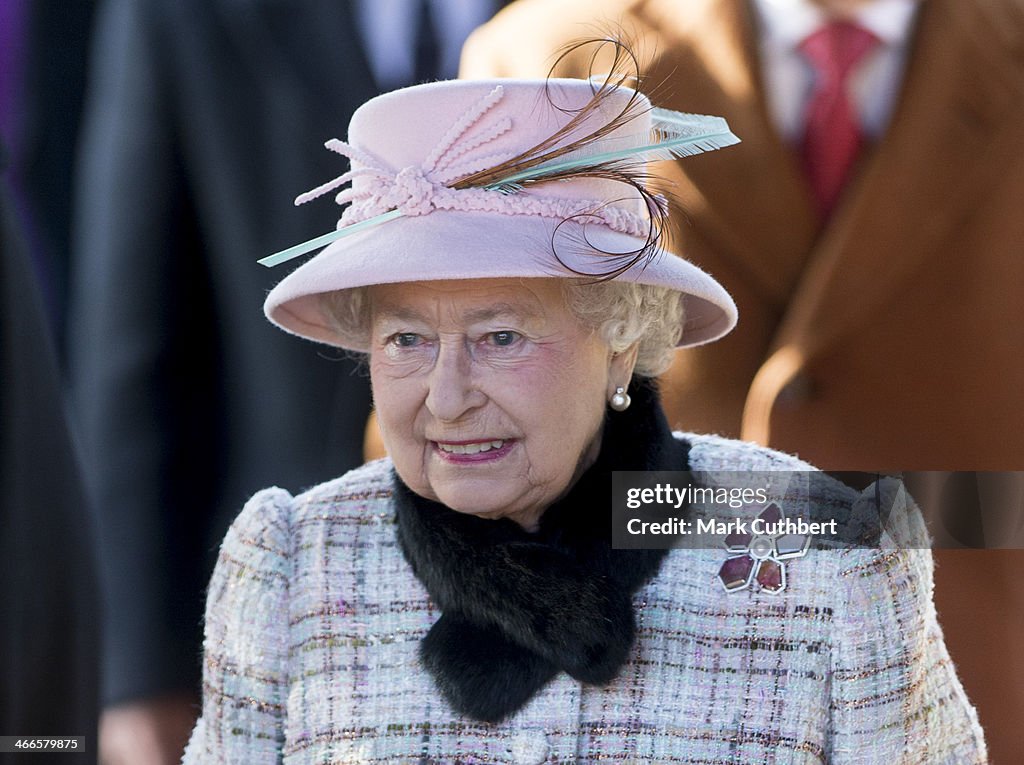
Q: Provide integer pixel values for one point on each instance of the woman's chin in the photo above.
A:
(482, 501)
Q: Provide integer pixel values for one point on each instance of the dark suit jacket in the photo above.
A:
(49, 633)
(892, 339)
(205, 119)
(48, 114)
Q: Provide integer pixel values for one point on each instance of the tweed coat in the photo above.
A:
(314, 618)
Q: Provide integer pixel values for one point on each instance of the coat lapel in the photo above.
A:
(922, 179)
(751, 200)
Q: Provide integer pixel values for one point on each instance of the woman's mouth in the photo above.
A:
(473, 451)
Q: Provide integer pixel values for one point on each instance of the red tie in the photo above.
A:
(832, 134)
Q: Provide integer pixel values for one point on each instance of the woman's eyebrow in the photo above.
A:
(499, 310)
(398, 312)
(486, 313)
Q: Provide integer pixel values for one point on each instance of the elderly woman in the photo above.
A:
(461, 601)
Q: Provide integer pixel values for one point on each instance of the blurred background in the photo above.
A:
(868, 227)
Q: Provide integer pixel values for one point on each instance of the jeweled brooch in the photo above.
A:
(759, 555)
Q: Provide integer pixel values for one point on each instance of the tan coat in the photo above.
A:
(892, 340)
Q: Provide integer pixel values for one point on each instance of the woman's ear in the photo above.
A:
(620, 368)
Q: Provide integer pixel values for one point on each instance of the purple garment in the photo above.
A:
(13, 28)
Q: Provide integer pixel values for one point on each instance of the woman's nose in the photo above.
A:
(453, 391)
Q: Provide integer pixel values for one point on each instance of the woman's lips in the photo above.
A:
(466, 452)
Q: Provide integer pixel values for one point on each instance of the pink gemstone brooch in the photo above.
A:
(759, 555)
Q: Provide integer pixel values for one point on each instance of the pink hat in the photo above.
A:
(473, 179)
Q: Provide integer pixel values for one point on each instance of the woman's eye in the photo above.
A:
(405, 340)
(504, 338)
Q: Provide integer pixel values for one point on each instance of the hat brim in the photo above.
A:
(472, 245)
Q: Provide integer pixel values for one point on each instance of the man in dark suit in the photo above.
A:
(879, 326)
(49, 634)
(205, 119)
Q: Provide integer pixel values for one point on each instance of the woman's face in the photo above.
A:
(489, 394)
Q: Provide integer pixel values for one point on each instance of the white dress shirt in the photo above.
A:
(789, 77)
(389, 29)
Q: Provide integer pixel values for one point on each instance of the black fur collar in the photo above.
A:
(517, 607)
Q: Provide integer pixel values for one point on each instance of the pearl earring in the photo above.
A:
(620, 400)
